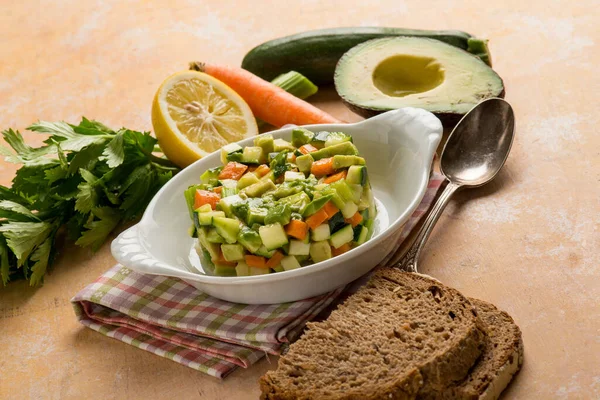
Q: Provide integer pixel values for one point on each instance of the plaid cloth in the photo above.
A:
(174, 320)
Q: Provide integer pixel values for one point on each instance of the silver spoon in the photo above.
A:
(472, 156)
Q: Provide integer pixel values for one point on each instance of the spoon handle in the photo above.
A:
(410, 259)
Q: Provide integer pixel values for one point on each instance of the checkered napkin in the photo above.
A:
(174, 320)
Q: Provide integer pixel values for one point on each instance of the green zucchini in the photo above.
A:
(315, 54)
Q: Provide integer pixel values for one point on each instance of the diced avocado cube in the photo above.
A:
(247, 179)
(340, 162)
(298, 201)
(242, 269)
(320, 251)
(256, 215)
(281, 145)
(304, 162)
(293, 176)
(341, 237)
(226, 203)
(285, 190)
(211, 248)
(253, 155)
(259, 188)
(289, 263)
(346, 148)
(336, 222)
(301, 136)
(227, 227)
(349, 209)
(321, 232)
(232, 252)
(213, 237)
(262, 251)
(259, 271)
(228, 149)
(316, 205)
(265, 141)
(337, 138)
(224, 270)
(280, 213)
(273, 236)
(278, 268)
(357, 174)
(250, 239)
(342, 188)
(204, 208)
(360, 234)
(206, 218)
(299, 248)
(319, 139)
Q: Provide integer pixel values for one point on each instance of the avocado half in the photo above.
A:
(390, 73)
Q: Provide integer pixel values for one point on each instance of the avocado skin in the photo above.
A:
(449, 120)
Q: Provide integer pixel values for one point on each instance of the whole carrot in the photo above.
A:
(267, 101)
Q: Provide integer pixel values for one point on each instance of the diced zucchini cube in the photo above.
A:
(357, 174)
(229, 149)
(320, 251)
(247, 179)
(213, 236)
(356, 192)
(336, 138)
(225, 270)
(289, 263)
(259, 188)
(206, 218)
(259, 271)
(304, 162)
(204, 208)
(350, 208)
(253, 155)
(227, 227)
(299, 248)
(321, 232)
(281, 145)
(301, 136)
(232, 252)
(273, 236)
(262, 251)
(226, 203)
(293, 176)
(265, 141)
(242, 269)
(341, 237)
(361, 234)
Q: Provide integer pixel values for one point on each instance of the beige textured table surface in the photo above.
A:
(529, 242)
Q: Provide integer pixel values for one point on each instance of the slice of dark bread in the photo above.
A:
(401, 336)
(501, 359)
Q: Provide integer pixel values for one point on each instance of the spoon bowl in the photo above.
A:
(479, 145)
(473, 155)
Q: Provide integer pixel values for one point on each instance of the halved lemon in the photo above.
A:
(194, 114)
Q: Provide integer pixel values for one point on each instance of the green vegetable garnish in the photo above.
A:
(87, 178)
